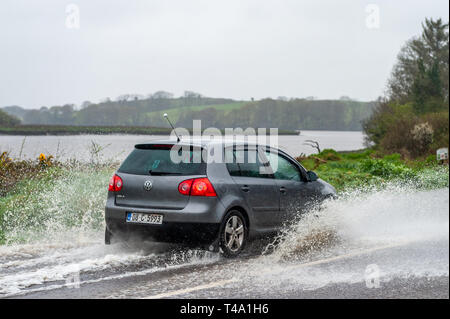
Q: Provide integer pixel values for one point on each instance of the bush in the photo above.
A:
(440, 124)
(385, 169)
(357, 155)
(397, 136)
(12, 172)
(394, 157)
(422, 135)
(397, 129)
(329, 155)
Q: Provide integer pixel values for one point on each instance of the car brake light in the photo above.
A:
(202, 187)
(115, 184)
(197, 187)
(185, 187)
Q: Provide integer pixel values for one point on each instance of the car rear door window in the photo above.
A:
(245, 162)
(231, 162)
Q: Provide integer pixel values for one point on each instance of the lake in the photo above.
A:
(117, 147)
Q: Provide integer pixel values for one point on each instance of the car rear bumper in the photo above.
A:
(198, 222)
(185, 233)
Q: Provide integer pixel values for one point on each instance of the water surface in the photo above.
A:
(116, 147)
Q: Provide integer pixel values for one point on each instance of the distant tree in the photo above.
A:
(129, 97)
(191, 94)
(137, 97)
(15, 110)
(123, 98)
(8, 120)
(162, 95)
(105, 100)
(66, 115)
(85, 104)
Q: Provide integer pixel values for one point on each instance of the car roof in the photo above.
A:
(207, 142)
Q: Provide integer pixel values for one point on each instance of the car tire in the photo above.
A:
(233, 234)
(108, 236)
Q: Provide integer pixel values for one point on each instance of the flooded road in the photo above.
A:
(342, 276)
(391, 243)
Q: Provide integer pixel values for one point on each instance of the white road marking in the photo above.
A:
(308, 264)
(188, 290)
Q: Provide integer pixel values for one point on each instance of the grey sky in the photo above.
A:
(228, 48)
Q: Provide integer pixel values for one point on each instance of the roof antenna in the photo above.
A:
(167, 118)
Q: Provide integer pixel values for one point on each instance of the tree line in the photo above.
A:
(293, 114)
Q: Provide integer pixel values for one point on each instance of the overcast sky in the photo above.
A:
(229, 48)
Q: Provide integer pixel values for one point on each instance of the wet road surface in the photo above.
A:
(400, 271)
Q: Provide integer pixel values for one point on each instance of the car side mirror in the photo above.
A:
(312, 176)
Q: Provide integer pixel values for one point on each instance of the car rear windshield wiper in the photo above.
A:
(162, 173)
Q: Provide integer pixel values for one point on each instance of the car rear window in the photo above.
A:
(156, 160)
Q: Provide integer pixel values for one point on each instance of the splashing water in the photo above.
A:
(365, 218)
(56, 228)
(379, 222)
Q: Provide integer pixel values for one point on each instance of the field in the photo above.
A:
(174, 113)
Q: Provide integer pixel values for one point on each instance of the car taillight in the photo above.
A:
(197, 187)
(115, 184)
(185, 187)
(202, 187)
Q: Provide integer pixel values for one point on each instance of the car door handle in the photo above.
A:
(245, 188)
(282, 190)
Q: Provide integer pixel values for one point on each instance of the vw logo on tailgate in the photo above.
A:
(148, 185)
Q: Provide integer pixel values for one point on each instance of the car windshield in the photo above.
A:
(156, 160)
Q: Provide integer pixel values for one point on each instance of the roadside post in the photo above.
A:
(442, 155)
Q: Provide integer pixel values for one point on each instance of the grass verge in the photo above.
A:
(346, 170)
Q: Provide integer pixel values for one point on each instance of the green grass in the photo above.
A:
(348, 170)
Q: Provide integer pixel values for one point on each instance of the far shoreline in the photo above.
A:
(67, 130)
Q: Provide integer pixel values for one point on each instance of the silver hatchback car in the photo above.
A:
(252, 190)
